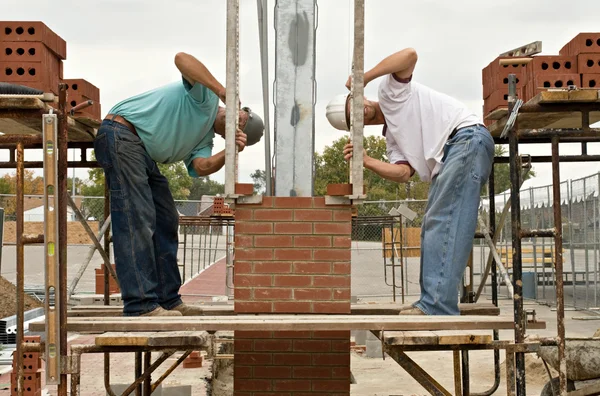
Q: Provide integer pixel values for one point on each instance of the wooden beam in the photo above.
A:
(435, 337)
(154, 339)
(289, 322)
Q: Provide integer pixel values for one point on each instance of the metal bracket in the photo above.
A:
(525, 50)
(383, 344)
(249, 199)
(69, 365)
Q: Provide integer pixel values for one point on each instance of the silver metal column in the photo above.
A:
(295, 96)
(232, 97)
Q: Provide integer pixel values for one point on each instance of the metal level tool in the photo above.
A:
(232, 97)
(49, 131)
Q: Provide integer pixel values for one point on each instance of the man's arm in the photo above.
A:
(210, 165)
(194, 71)
(401, 63)
(399, 173)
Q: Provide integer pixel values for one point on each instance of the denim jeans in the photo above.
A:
(144, 219)
(451, 218)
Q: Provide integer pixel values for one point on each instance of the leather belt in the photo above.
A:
(455, 131)
(122, 121)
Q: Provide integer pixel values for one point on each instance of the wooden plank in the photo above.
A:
(290, 322)
(24, 103)
(565, 96)
(462, 338)
(178, 338)
(411, 338)
(123, 339)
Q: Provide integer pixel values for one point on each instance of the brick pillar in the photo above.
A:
(292, 256)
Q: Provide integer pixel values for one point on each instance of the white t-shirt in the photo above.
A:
(418, 122)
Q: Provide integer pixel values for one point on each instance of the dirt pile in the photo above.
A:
(8, 299)
(535, 371)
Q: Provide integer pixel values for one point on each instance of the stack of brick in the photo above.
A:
(79, 91)
(578, 64)
(113, 288)
(31, 55)
(219, 207)
(292, 256)
(32, 369)
(194, 360)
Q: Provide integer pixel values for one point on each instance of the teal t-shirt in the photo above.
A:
(175, 121)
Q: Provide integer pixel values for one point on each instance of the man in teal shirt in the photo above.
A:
(172, 123)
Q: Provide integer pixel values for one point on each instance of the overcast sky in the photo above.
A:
(126, 47)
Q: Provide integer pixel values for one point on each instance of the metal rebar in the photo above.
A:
(548, 158)
(466, 388)
(549, 233)
(20, 266)
(138, 374)
(148, 379)
(107, 386)
(147, 372)
(457, 375)
(171, 369)
(62, 229)
(560, 302)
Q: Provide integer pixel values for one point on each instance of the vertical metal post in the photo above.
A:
(62, 229)
(571, 237)
(106, 240)
(585, 246)
(20, 265)
(560, 297)
(232, 96)
(51, 251)
(357, 100)
(295, 96)
(263, 16)
(515, 176)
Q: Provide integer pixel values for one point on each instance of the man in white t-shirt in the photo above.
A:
(437, 137)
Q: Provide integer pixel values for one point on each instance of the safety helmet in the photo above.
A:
(337, 112)
(254, 127)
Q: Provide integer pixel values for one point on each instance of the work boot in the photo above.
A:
(160, 311)
(411, 311)
(188, 310)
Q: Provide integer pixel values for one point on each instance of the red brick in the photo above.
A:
(319, 202)
(341, 294)
(252, 307)
(273, 215)
(582, 43)
(331, 359)
(291, 385)
(243, 371)
(331, 307)
(498, 99)
(273, 372)
(342, 268)
(243, 214)
(331, 385)
(333, 254)
(192, 364)
(79, 86)
(293, 254)
(243, 241)
(272, 267)
(249, 254)
(339, 334)
(292, 359)
(316, 267)
(242, 267)
(312, 346)
(253, 228)
(337, 189)
(312, 372)
(313, 215)
(272, 241)
(244, 188)
(252, 280)
(292, 334)
(253, 359)
(590, 81)
(293, 228)
(340, 372)
(272, 294)
(252, 334)
(241, 345)
(589, 63)
(312, 241)
(273, 345)
(242, 294)
(552, 64)
(342, 215)
(252, 385)
(340, 346)
(342, 242)
(312, 294)
(30, 31)
(331, 281)
(557, 80)
(293, 202)
(292, 280)
(291, 307)
(333, 228)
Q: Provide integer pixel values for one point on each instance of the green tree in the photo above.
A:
(205, 186)
(502, 172)
(259, 178)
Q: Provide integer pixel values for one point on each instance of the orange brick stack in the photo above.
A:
(113, 288)
(32, 55)
(194, 360)
(292, 256)
(32, 369)
(219, 207)
(578, 64)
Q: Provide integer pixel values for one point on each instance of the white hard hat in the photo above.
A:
(336, 112)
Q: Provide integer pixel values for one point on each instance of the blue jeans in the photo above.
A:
(451, 218)
(144, 219)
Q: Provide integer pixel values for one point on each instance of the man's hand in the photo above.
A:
(366, 80)
(349, 150)
(240, 140)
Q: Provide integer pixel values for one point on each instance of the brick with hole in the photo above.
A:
(498, 100)
(582, 43)
(33, 31)
(590, 81)
(551, 64)
(589, 63)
